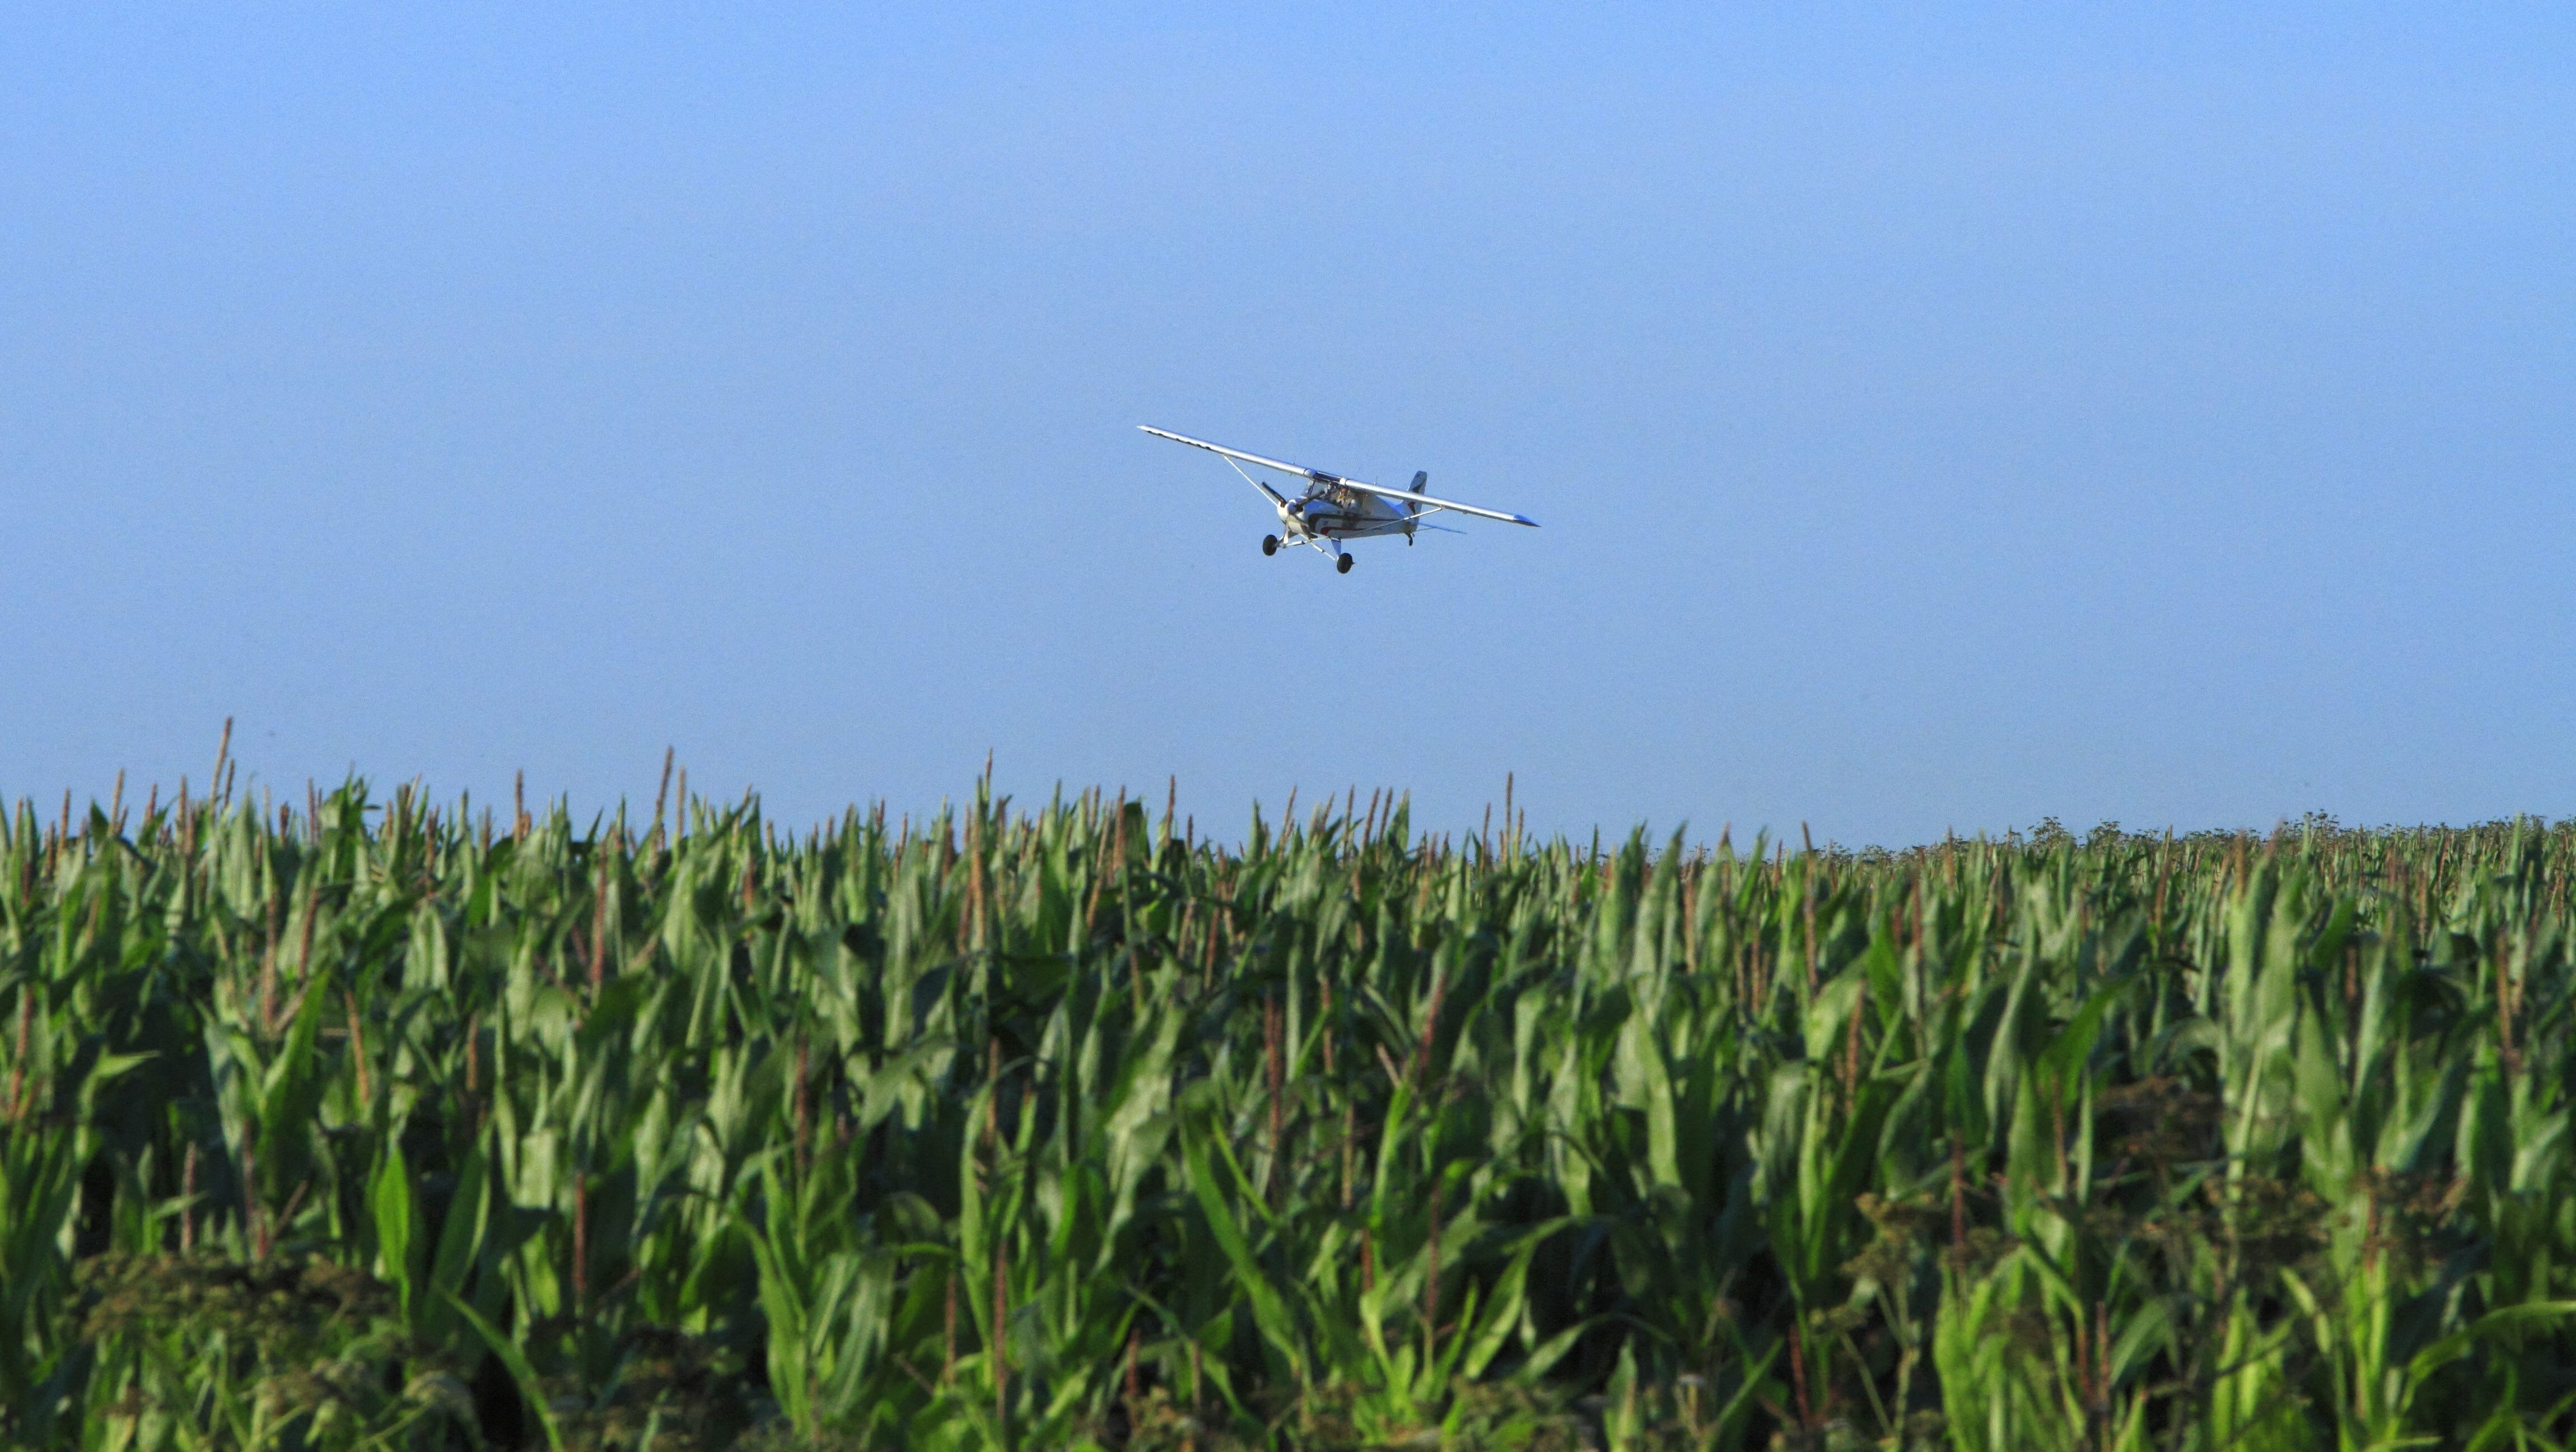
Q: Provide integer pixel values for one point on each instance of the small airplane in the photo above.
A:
(1333, 509)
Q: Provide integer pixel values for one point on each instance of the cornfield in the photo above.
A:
(382, 1124)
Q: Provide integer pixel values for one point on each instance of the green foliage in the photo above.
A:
(375, 1125)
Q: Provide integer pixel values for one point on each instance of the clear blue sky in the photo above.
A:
(1939, 418)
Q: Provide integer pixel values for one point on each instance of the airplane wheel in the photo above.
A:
(1343, 565)
(1270, 544)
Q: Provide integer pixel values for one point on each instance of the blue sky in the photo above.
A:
(1940, 419)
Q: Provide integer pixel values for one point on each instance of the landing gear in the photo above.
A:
(1342, 565)
(1270, 544)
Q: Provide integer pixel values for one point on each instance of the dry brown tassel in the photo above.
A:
(948, 1331)
(1430, 1025)
(581, 1245)
(1798, 1374)
(2083, 1367)
(1091, 903)
(268, 972)
(1808, 893)
(1001, 1318)
(304, 939)
(1958, 1194)
(662, 795)
(804, 1110)
(2504, 1019)
(993, 1091)
(188, 1201)
(223, 753)
(1326, 984)
(1350, 1146)
(357, 1047)
(1851, 1043)
(1208, 946)
(250, 1194)
(2057, 1126)
(2101, 1363)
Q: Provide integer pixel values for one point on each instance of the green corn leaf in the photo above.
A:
(1270, 1311)
(532, 1393)
(389, 1200)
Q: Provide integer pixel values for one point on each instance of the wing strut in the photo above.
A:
(1275, 496)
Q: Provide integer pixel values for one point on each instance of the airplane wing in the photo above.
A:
(1320, 477)
(1284, 468)
(1412, 498)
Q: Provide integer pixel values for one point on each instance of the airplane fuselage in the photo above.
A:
(1329, 513)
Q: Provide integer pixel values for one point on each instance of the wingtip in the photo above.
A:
(1524, 519)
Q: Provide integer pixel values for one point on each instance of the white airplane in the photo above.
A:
(1333, 509)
